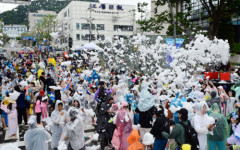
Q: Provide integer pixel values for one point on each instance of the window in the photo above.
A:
(77, 26)
(65, 14)
(100, 27)
(85, 37)
(101, 37)
(120, 36)
(78, 37)
(86, 26)
(123, 28)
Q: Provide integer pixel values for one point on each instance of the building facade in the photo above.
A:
(199, 16)
(37, 17)
(78, 20)
(14, 31)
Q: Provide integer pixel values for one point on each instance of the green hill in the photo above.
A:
(19, 15)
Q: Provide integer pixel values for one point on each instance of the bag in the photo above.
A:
(190, 136)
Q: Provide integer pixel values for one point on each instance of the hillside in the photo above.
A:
(19, 15)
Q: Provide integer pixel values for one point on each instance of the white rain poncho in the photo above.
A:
(200, 123)
(58, 121)
(74, 130)
(36, 138)
(80, 112)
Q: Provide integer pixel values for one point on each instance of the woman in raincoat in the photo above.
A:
(146, 110)
(134, 141)
(217, 140)
(203, 124)
(75, 131)
(10, 109)
(58, 117)
(124, 126)
(36, 138)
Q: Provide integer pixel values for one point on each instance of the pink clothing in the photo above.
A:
(124, 127)
(38, 107)
(12, 118)
(44, 110)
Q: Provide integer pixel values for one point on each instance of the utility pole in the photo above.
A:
(90, 22)
(134, 15)
(173, 22)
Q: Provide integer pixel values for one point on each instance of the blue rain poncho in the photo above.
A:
(74, 129)
(146, 99)
(58, 121)
(36, 138)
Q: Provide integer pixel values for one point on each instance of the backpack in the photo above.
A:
(190, 136)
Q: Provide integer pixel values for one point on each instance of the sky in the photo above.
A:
(5, 7)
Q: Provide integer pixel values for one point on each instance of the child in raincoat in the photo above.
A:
(134, 141)
(10, 108)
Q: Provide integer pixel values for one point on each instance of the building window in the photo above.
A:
(86, 26)
(78, 37)
(85, 37)
(65, 14)
(101, 37)
(123, 28)
(77, 26)
(100, 27)
(120, 36)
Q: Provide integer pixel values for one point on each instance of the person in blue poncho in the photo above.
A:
(146, 110)
(177, 102)
(132, 103)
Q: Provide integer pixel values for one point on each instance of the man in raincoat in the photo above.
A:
(36, 138)
(220, 130)
(58, 117)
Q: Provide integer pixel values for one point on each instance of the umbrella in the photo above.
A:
(91, 46)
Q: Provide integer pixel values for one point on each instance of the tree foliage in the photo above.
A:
(19, 15)
(42, 30)
(217, 11)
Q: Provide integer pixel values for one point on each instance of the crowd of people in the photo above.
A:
(128, 110)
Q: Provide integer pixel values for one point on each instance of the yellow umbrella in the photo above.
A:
(40, 72)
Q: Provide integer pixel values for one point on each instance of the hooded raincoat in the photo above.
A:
(74, 130)
(124, 127)
(58, 121)
(220, 130)
(134, 141)
(214, 99)
(200, 123)
(36, 138)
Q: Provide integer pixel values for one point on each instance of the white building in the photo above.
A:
(14, 31)
(35, 18)
(107, 21)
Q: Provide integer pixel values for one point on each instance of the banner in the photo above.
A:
(170, 44)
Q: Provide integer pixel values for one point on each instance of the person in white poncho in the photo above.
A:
(59, 116)
(202, 123)
(75, 131)
(36, 138)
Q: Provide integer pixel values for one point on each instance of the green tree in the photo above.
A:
(42, 30)
(217, 11)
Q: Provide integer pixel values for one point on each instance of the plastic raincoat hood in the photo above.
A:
(133, 141)
(146, 100)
